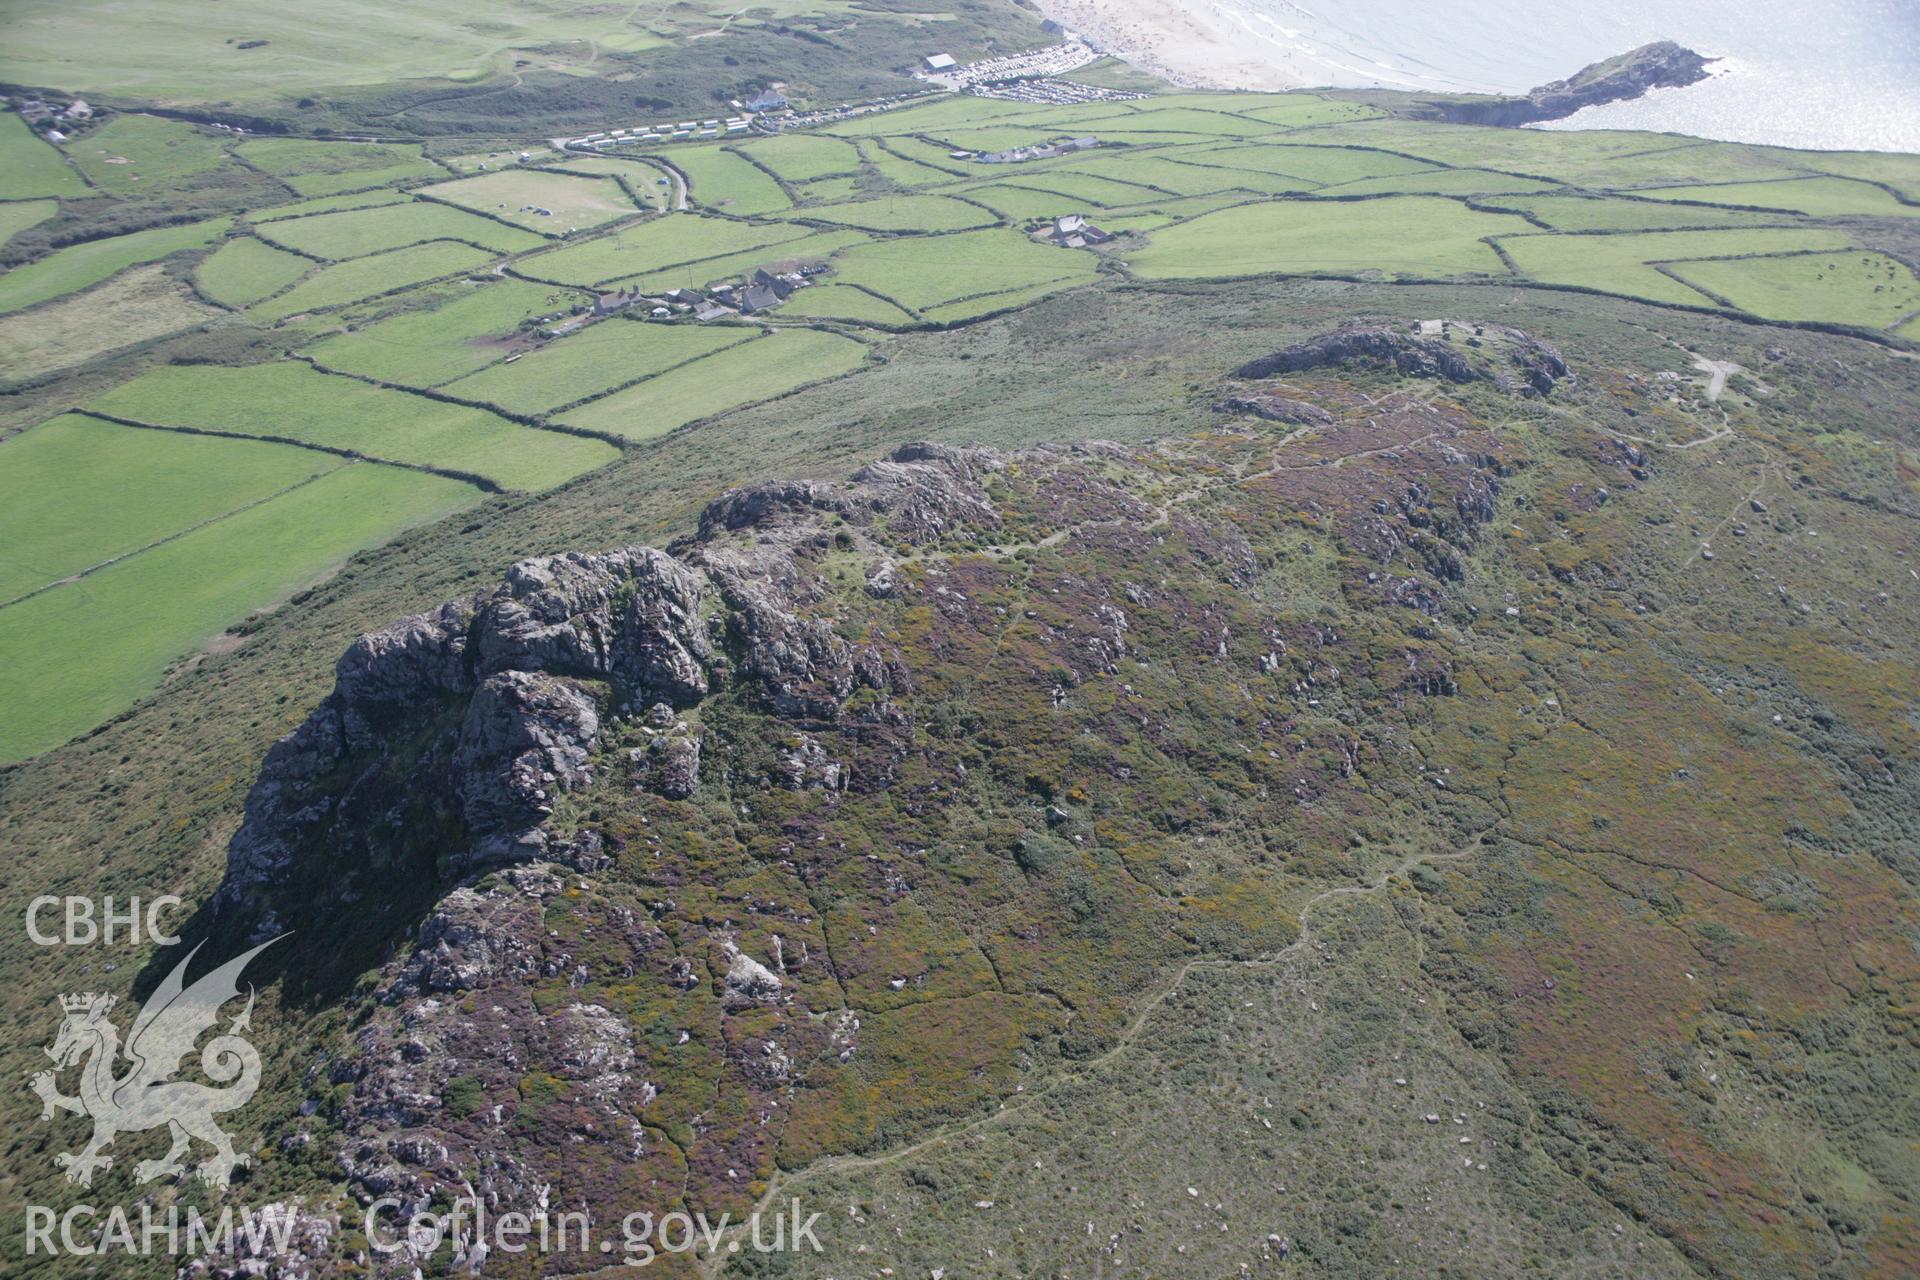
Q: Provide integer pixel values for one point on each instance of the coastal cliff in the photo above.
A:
(1661, 65)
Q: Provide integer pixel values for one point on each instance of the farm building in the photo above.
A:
(759, 297)
(782, 286)
(1073, 231)
(1044, 151)
(608, 303)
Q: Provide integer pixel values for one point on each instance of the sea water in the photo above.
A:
(1828, 74)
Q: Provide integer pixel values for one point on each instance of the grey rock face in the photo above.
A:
(472, 940)
(1275, 408)
(631, 616)
(1511, 359)
(470, 720)
(668, 766)
(807, 767)
(748, 980)
(525, 733)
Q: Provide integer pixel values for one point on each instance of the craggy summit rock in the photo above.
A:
(531, 667)
(1512, 359)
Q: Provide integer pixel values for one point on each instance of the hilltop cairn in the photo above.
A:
(471, 720)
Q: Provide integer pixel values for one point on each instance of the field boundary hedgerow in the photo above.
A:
(484, 483)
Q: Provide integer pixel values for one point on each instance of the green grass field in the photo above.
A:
(1026, 204)
(899, 170)
(1618, 263)
(934, 155)
(1105, 193)
(990, 303)
(745, 374)
(1439, 182)
(1868, 289)
(1408, 236)
(382, 273)
(178, 57)
(359, 232)
(144, 301)
(648, 184)
(650, 246)
(137, 155)
(900, 213)
(722, 180)
(926, 272)
(1820, 197)
(1156, 169)
(1898, 170)
(1168, 210)
(73, 660)
(76, 492)
(802, 157)
(327, 168)
(1201, 122)
(244, 270)
(443, 333)
(293, 402)
(809, 248)
(1602, 213)
(30, 166)
(572, 201)
(17, 215)
(330, 204)
(1298, 110)
(1311, 165)
(1567, 156)
(596, 359)
(78, 266)
(844, 302)
(830, 191)
(936, 113)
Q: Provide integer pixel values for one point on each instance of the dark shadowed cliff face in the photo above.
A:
(879, 807)
(1661, 65)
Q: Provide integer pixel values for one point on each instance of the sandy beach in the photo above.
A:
(1202, 45)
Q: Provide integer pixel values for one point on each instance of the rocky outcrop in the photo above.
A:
(1661, 65)
(1512, 359)
(1277, 408)
(648, 862)
(747, 980)
(434, 1073)
(669, 764)
(469, 721)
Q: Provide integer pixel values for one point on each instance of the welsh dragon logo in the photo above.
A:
(145, 1096)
